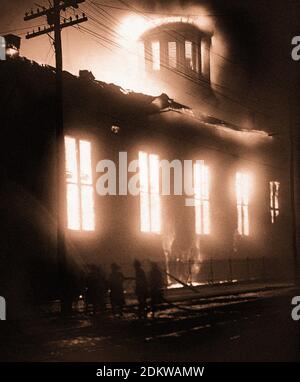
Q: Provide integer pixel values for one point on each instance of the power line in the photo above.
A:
(173, 33)
(162, 13)
(204, 83)
(20, 29)
(108, 41)
(139, 12)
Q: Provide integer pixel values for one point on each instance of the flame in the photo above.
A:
(132, 75)
(133, 27)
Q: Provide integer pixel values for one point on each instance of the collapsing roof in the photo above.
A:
(108, 99)
(163, 103)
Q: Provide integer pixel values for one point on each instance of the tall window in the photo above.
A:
(172, 54)
(149, 193)
(242, 197)
(80, 192)
(141, 56)
(202, 205)
(155, 55)
(189, 55)
(198, 59)
(274, 200)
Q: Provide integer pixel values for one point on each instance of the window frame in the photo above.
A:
(85, 205)
(202, 198)
(274, 187)
(242, 189)
(150, 200)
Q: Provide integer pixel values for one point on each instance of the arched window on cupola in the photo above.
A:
(179, 47)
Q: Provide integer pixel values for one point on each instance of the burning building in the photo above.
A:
(233, 225)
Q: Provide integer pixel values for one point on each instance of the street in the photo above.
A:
(254, 326)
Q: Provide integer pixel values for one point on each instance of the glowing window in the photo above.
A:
(155, 55)
(149, 193)
(274, 200)
(80, 192)
(202, 204)
(189, 55)
(242, 197)
(141, 56)
(197, 58)
(172, 54)
(203, 57)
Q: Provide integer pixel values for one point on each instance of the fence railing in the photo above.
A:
(214, 271)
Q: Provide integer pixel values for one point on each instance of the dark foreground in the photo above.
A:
(245, 327)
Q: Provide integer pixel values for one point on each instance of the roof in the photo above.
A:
(109, 99)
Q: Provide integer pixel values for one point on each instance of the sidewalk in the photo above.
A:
(224, 289)
(51, 337)
(204, 294)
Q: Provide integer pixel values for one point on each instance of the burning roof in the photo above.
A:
(84, 93)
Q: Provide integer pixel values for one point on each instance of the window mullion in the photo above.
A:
(149, 194)
(79, 182)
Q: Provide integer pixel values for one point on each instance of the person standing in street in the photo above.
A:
(141, 289)
(156, 286)
(117, 297)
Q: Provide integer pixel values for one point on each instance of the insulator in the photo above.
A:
(77, 17)
(83, 15)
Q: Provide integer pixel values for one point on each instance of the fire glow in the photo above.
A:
(80, 193)
(151, 180)
(132, 74)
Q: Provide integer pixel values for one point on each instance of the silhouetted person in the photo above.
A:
(91, 284)
(102, 289)
(96, 288)
(156, 285)
(69, 289)
(141, 289)
(117, 298)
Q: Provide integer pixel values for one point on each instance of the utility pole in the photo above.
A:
(55, 25)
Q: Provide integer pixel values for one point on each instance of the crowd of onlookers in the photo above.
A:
(149, 289)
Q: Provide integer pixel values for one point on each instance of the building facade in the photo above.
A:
(147, 177)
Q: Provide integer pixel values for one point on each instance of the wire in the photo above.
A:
(160, 13)
(118, 46)
(176, 33)
(20, 29)
(230, 98)
(107, 42)
(137, 11)
(204, 83)
(183, 74)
